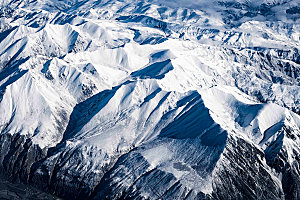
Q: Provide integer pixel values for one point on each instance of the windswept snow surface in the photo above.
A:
(152, 99)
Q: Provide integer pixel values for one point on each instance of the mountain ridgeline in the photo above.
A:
(119, 99)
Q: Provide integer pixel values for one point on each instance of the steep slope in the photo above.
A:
(151, 99)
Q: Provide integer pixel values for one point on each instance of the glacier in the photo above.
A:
(151, 99)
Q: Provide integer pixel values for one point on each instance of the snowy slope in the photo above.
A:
(151, 99)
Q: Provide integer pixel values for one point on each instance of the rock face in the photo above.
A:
(151, 99)
(18, 191)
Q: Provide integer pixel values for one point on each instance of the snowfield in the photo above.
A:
(151, 99)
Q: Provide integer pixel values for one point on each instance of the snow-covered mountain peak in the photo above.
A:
(151, 99)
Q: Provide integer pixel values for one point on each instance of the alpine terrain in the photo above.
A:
(151, 99)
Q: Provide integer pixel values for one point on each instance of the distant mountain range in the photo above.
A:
(120, 99)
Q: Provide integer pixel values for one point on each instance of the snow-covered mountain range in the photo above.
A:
(150, 99)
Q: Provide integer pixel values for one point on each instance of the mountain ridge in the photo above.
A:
(145, 100)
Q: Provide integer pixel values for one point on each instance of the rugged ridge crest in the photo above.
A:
(151, 99)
